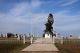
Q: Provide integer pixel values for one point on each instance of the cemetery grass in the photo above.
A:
(72, 46)
(12, 46)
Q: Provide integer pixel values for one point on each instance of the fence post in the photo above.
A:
(61, 39)
(23, 39)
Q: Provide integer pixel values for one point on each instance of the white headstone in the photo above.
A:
(6, 35)
(56, 35)
(24, 39)
(53, 40)
(61, 39)
(18, 38)
(31, 40)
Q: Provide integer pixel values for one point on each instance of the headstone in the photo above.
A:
(61, 39)
(31, 39)
(53, 40)
(24, 39)
(18, 37)
(1, 35)
(37, 35)
(6, 35)
(56, 35)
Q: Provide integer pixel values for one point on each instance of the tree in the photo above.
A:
(9, 35)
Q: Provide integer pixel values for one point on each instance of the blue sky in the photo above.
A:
(29, 16)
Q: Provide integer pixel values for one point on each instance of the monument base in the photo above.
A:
(48, 36)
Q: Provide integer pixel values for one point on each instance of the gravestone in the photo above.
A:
(53, 39)
(1, 35)
(31, 39)
(18, 37)
(6, 35)
(24, 39)
(61, 39)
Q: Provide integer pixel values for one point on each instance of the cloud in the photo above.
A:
(19, 17)
(67, 2)
(64, 22)
(22, 19)
(25, 7)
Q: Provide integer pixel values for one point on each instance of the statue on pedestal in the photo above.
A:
(48, 32)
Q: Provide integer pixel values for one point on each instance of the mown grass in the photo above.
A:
(12, 46)
(69, 46)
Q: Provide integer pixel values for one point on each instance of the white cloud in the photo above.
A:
(25, 7)
(18, 18)
(65, 22)
(67, 2)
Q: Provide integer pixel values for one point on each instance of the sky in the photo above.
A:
(29, 16)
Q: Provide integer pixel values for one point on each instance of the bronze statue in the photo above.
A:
(48, 25)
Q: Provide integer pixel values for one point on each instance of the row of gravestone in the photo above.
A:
(11, 35)
(17, 36)
(23, 37)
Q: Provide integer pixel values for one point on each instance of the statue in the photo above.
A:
(48, 25)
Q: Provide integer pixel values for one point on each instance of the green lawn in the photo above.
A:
(69, 46)
(12, 46)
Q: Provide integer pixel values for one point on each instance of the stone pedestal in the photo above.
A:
(47, 35)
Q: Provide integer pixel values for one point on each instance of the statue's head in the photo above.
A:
(50, 15)
(50, 18)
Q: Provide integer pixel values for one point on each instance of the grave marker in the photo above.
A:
(24, 39)
(61, 39)
(31, 39)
